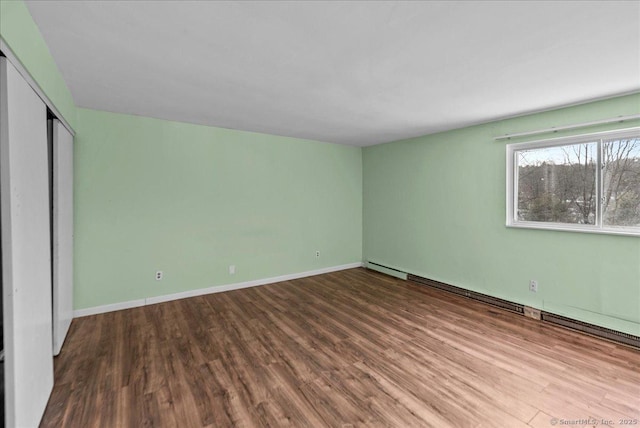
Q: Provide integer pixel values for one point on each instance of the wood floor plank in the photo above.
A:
(345, 349)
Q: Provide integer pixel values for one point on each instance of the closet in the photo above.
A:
(36, 194)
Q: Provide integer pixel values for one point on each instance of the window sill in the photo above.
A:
(575, 228)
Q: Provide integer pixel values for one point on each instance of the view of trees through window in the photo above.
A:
(621, 182)
(572, 184)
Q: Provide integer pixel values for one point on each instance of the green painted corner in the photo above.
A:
(23, 37)
(191, 200)
(435, 206)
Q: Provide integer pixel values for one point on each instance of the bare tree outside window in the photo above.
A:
(558, 184)
(621, 182)
(583, 183)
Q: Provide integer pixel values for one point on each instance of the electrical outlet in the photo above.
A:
(533, 286)
(159, 275)
(232, 269)
(317, 253)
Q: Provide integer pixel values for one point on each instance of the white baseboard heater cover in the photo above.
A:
(386, 270)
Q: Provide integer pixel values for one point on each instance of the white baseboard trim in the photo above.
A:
(209, 290)
(108, 308)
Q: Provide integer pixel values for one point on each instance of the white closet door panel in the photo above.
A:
(26, 253)
(62, 233)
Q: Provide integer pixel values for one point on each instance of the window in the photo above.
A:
(587, 183)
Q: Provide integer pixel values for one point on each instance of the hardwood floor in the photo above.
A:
(343, 349)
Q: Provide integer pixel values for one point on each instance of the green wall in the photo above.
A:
(435, 206)
(21, 34)
(191, 200)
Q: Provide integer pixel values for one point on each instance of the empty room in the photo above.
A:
(320, 213)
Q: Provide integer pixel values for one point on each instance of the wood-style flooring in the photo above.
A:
(351, 348)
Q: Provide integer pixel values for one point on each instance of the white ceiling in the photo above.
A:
(357, 73)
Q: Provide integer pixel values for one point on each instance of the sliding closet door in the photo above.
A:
(62, 233)
(26, 253)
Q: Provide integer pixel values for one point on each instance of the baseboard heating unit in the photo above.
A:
(504, 304)
(570, 323)
(386, 270)
(595, 330)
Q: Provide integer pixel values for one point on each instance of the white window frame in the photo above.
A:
(512, 183)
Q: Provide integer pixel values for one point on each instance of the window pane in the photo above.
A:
(621, 182)
(558, 184)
